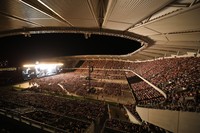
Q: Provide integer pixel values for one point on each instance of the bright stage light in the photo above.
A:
(42, 69)
(43, 65)
(29, 65)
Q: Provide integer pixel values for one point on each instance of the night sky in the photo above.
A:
(20, 49)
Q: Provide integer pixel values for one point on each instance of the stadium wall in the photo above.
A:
(174, 121)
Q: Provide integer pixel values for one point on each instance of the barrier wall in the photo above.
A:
(189, 122)
(174, 121)
(131, 117)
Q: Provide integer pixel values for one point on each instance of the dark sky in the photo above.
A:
(19, 49)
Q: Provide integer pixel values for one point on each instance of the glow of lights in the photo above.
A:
(43, 65)
(29, 65)
(42, 69)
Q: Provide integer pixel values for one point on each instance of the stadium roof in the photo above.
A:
(164, 27)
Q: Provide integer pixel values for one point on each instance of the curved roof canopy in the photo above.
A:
(164, 27)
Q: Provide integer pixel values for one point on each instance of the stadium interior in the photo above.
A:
(154, 89)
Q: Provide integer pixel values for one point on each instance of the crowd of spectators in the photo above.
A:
(177, 77)
(70, 114)
(119, 126)
(58, 121)
(122, 126)
(144, 92)
(77, 108)
(78, 84)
